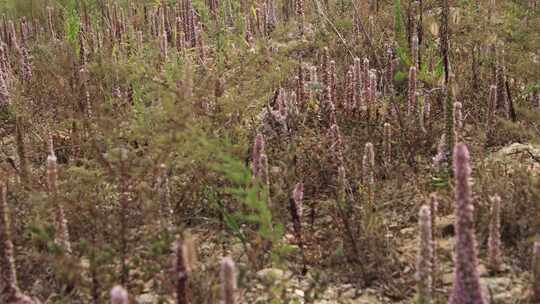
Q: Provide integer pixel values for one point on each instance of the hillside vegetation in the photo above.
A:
(270, 151)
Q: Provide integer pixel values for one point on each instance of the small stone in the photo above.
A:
(147, 298)
(299, 293)
(270, 275)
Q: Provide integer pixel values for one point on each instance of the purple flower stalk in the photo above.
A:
(332, 82)
(337, 143)
(492, 104)
(350, 97)
(368, 163)
(387, 143)
(389, 71)
(466, 287)
(298, 197)
(258, 149)
(7, 264)
(458, 121)
(494, 239)
(365, 80)
(411, 99)
(357, 71)
(424, 266)
(62, 232)
(414, 49)
(368, 168)
(4, 93)
(228, 280)
(181, 272)
(433, 209)
(372, 87)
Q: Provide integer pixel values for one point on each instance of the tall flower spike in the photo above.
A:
(325, 68)
(265, 179)
(427, 112)
(164, 196)
(502, 95)
(414, 49)
(295, 206)
(61, 225)
(337, 143)
(368, 168)
(24, 57)
(466, 287)
(7, 264)
(163, 46)
(424, 267)
(494, 239)
(4, 93)
(433, 209)
(536, 100)
(365, 81)
(372, 88)
(50, 23)
(411, 98)
(387, 144)
(258, 149)
(332, 83)
(389, 71)
(536, 273)
(300, 87)
(298, 197)
(300, 15)
(458, 121)
(492, 103)
(357, 82)
(349, 100)
(181, 273)
(228, 280)
(119, 295)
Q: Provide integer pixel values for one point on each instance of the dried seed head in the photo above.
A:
(119, 295)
